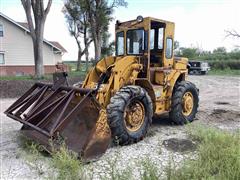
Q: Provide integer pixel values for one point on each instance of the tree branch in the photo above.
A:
(86, 47)
(27, 7)
(42, 8)
(232, 33)
(48, 7)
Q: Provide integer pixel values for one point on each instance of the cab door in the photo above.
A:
(168, 45)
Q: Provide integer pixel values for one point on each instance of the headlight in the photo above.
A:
(139, 19)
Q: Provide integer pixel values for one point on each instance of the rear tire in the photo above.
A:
(183, 110)
(134, 103)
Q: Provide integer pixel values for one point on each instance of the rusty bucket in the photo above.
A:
(68, 114)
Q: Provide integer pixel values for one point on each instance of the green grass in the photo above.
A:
(77, 74)
(73, 65)
(25, 77)
(225, 72)
(32, 154)
(149, 170)
(218, 156)
(46, 77)
(67, 165)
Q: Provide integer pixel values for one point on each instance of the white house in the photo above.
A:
(16, 49)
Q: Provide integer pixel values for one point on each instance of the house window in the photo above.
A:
(1, 30)
(2, 61)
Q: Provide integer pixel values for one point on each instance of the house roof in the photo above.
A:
(24, 26)
(57, 44)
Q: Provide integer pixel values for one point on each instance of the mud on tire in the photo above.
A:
(176, 114)
(116, 111)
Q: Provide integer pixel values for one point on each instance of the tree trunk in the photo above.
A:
(38, 58)
(79, 60)
(97, 44)
(87, 59)
(38, 51)
(86, 47)
(35, 9)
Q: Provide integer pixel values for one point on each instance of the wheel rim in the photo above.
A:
(134, 116)
(187, 103)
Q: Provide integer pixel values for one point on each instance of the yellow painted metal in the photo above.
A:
(134, 116)
(159, 76)
(187, 103)
(128, 69)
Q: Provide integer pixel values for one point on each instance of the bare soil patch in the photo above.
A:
(179, 145)
(16, 88)
(221, 103)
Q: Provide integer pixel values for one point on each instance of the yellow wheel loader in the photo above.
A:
(118, 98)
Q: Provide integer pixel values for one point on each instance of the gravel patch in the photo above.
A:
(219, 107)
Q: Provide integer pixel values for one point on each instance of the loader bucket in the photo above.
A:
(71, 115)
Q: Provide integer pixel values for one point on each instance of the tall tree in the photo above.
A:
(107, 48)
(100, 14)
(36, 15)
(220, 50)
(78, 26)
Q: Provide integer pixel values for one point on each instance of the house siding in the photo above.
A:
(18, 49)
(27, 70)
(16, 44)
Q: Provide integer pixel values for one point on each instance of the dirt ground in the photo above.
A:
(16, 88)
(219, 107)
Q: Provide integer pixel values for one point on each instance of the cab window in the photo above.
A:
(160, 38)
(120, 44)
(169, 48)
(152, 34)
(135, 41)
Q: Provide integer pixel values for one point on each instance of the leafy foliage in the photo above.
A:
(219, 59)
(107, 47)
(78, 26)
(100, 13)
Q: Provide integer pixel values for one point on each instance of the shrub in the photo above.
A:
(231, 64)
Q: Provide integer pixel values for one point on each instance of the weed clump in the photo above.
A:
(149, 170)
(67, 164)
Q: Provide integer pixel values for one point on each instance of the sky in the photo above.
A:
(198, 23)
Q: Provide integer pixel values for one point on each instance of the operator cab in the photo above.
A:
(150, 39)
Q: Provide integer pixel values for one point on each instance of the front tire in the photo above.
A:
(129, 114)
(203, 73)
(184, 103)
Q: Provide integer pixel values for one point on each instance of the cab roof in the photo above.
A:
(146, 19)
